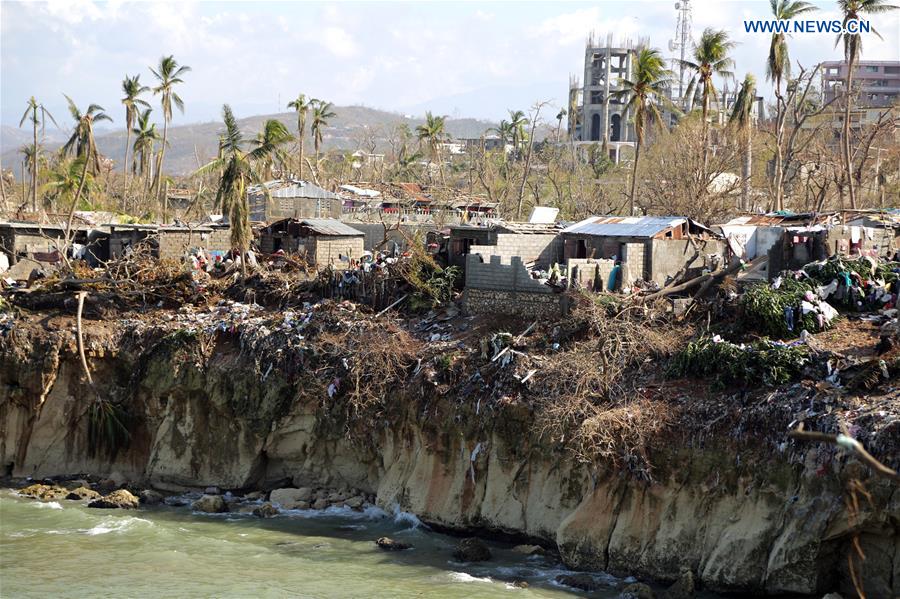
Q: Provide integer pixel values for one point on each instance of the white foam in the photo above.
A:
(463, 577)
(119, 525)
(52, 505)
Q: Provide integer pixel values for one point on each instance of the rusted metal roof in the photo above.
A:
(625, 226)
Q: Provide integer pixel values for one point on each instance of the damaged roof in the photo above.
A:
(293, 188)
(625, 226)
(330, 226)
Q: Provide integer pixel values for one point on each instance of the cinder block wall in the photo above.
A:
(590, 273)
(175, 244)
(669, 256)
(327, 250)
(545, 250)
(497, 276)
(523, 303)
(634, 263)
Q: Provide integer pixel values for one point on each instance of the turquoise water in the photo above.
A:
(63, 549)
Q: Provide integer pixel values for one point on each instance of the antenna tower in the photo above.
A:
(682, 40)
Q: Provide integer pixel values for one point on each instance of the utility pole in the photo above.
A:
(682, 41)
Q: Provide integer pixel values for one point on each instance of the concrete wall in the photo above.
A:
(279, 208)
(327, 250)
(17, 242)
(375, 234)
(634, 264)
(495, 275)
(589, 273)
(667, 257)
(175, 244)
(544, 250)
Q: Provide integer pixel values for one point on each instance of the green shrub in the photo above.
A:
(762, 309)
(727, 363)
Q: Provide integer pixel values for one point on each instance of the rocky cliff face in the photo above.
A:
(760, 522)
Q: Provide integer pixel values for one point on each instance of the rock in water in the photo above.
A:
(683, 588)
(389, 544)
(583, 582)
(638, 590)
(82, 493)
(529, 549)
(320, 504)
(210, 504)
(266, 510)
(44, 492)
(290, 498)
(117, 499)
(151, 497)
(472, 550)
(355, 502)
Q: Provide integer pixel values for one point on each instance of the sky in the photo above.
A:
(466, 59)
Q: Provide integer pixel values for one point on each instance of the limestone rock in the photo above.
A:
(76, 484)
(583, 582)
(44, 492)
(320, 504)
(121, 499)
(210, 504)
(637, 590)
(266, 510)
(212, 491)
(529, 549)
(683, 588)
(289, 498)
(82, 493)
(833, 596)
(151, 497)
(472, 550)
(389, 544)
(355, 502)
(254, 495)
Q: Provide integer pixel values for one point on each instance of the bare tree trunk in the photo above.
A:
(75, 203)
(705, 140)
(3, 205)
(748, 158)
(845, 146)
(34, 163)
(779, 139)
(125, 167)
(637, 155)
(162, 154)
(301, 131)
(534, 121)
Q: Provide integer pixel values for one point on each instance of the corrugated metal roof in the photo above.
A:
(293, 189)
(624, 226)
(330, 226)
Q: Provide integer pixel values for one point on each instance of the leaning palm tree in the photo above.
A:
(168, 74)
(778, 69)
(145, 139)
(267, 147)
(431, 133)
(132, 102)
(302, 106)
(31, 113)
(742, 118)
(65, 178)
(710, 59)
(852, 10)
(321, 113)
(82, 143)
(236, 171)
(559, 119)
(644, 94)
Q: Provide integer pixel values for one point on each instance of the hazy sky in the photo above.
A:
(459, 58)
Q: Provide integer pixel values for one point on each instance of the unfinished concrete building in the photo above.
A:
(603, 116)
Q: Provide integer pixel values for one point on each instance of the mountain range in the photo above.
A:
(195, 144)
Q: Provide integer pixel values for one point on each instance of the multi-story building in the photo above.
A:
(877, 81)
(601, 115)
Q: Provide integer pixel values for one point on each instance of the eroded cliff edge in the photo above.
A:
(745, 513)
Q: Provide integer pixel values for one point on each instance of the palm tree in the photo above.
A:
(31, 156)
(168, 74)
(132, 88)
(31, 113)
(852, 10)
(267, 146)
(82, 143)
(321, 113)
(517, 122)
(146, 137)
(644, 95)
(236, 169)
(710, 58)
(65, 179)
(778, 69)
(742, 118)
(431, 133)
(559, 119)
(302, 106)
